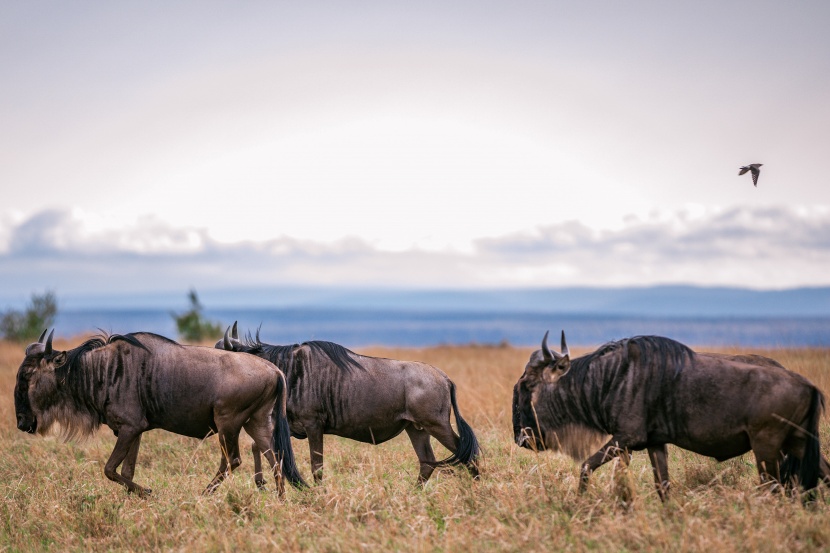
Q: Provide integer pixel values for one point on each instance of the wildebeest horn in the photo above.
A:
(545, 349)
(42, 336)
(234, 331)
(227, 341)
(564, 345)
(48, 349)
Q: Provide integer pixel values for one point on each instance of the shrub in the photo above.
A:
(26, 326)
(192, 325)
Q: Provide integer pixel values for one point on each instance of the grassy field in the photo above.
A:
(55, 496)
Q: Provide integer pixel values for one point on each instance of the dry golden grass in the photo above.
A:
(55, 496)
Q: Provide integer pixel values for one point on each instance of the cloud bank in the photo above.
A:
(764, 248)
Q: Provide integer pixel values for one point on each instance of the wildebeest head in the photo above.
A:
(230, 341)
(544, 368)
(36, 381)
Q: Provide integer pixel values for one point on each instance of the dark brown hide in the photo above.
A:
(332, 390)
(646, 392)
(138, 382)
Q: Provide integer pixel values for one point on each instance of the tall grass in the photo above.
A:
(54, 495)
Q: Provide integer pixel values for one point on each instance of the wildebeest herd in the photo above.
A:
(638, 393)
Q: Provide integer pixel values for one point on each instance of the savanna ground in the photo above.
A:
(55, 496)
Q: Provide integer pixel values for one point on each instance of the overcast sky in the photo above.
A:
(162, 145)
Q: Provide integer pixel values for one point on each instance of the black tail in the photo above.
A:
(806, 470)
(282, 439)
(468, 450)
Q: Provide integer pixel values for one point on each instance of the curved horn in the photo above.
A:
(226, 341)
(42, 335)
(545, 349)
(564, 345)
(48, 349)
(235, 331)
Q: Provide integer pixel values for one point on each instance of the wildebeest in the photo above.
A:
(332, 390)
(648, 391)
(137, 382)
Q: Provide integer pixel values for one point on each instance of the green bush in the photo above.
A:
(192, 325)
(26, 326)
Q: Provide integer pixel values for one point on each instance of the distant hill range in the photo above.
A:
(653, 301)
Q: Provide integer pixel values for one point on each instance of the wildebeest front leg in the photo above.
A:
(611, 450)
(660, 465)
(128, 467)
(127, 437)
(423, 449)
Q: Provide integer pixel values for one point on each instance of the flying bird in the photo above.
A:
(756, 170)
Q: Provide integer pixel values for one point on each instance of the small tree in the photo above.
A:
(26, 326)
(192, 325)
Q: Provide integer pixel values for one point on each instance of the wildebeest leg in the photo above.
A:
(660, 465)
(128, 466)
(315, 446)
(126, 438)
(448, 438)
(611, 450)
(229, 442)
(767, 459)
(260, 432)
(258, 479)
(824, 471)
(423, 449)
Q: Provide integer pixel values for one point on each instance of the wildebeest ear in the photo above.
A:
(57, 359)
(557, 370)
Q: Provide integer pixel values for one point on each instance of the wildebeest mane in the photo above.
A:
(594, 376)
(73, 356)
(283, 357)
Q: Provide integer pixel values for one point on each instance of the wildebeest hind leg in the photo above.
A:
(611, 450)
(126, 438)
(767, 459)
(423, 449)
(229, 442)
(257, 455)
(824, 471)
(260, 432)
(315, 447)
(660, 465)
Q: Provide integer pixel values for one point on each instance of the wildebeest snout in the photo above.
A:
(26, 424)
(526, 438)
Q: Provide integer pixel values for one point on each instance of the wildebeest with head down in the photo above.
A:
(648, 391)
(137, 382)
(332, 390)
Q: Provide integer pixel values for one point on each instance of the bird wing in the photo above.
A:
(755, 173)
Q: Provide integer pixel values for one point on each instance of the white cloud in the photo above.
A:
(761, 248)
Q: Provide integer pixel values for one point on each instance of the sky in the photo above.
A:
(160, 146)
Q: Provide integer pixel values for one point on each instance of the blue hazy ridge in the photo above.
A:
(355, 328)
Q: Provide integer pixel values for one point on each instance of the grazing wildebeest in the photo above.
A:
(647, 391)
(137, 382)
(332, 390)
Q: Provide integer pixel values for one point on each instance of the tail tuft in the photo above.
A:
(806, 471)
